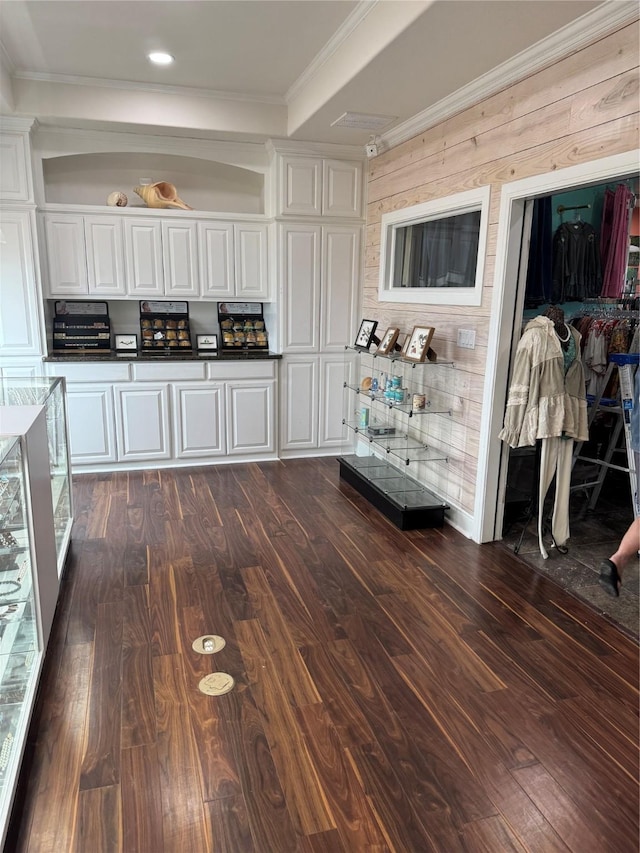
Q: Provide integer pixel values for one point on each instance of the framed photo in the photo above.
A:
(388, 341)
(366, 334)
(418, 343)
(126, 343)
(206, 342)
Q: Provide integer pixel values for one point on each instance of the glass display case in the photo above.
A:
(50, 393)
(397, 421)
(29, 580)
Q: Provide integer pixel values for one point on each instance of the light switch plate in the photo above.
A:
(467, 338)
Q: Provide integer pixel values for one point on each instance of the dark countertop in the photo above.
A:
(101, 358)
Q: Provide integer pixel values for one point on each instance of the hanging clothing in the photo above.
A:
(555, 460)
(614, 239)
(543, 401)
(577, 270)
(540, 267)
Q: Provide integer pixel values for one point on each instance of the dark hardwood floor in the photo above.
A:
(395, 691)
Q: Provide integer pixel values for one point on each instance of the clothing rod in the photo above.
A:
(561, 207)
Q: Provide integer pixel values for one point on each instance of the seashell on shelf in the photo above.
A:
(117, 199)
(161, 194)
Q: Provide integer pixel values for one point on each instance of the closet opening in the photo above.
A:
(568, 498)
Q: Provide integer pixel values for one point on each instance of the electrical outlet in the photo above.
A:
(467, 338)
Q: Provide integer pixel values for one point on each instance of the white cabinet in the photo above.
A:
(15, 166)
(66, 255)
(319, 268)
(105, 255)
(20, 311)
(143, 256)
(250, 417)
(316, 186)
(252, 274)
(233, 260)
(311, 403)
(180, 258)
(142, 422)
(217, 262)
(198, 419)
(91, 415)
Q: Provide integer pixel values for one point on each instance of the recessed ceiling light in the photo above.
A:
(160, 58)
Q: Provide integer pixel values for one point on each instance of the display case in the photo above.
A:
(50, 393)
(28, 581)
(397, 423)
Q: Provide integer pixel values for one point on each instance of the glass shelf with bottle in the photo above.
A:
(392, 450)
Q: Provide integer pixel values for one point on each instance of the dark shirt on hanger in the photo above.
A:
(577, 270)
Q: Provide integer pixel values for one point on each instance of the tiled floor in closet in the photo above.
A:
(595, 535)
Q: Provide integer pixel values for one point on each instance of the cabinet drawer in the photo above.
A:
(90, 372)
(242, 370)
(169, 371)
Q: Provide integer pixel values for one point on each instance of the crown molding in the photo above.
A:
(19, 124)
(317, 149)
(149, 88)
(351, 23)
(594, 25)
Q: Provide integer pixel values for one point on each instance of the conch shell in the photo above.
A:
(161, 194)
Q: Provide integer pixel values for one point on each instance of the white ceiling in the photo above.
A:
(253, 69)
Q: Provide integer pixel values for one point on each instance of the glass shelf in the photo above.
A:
(392, 450)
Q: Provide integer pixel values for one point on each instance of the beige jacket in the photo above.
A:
(543, 402)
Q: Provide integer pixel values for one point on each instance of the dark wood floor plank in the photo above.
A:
(228, 826)
(356, 824)
(269, 818)
(162, 603)
(285, 657)
(138, 699)
(48, 820)
(395, 691)
(183, 812)
(305, 799)
(99, 820)
(101, 764)
(141, 799)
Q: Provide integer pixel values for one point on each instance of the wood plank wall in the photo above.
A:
(581, 108)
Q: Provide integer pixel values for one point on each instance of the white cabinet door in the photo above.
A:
(105, 255)
(250, 417)
(340, 284)
(90, 413)
(142, 419)
(301, 186)
(299, 402)
(20, 308)
(143, 257)
(300, 275)
(180, 258)
(15, 167)
(66, 255)
(252, 271)
(198, 420)
(342, 188)
(217, 263)
(332, 376)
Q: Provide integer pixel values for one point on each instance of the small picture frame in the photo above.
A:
(388, 341)
(417, 344)
(366, 334)
(206, 342)
(126, 343)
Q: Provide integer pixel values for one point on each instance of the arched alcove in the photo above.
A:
(203, 184)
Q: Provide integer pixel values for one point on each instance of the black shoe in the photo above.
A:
(609, 578)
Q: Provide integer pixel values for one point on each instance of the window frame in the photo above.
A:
(429, 211)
